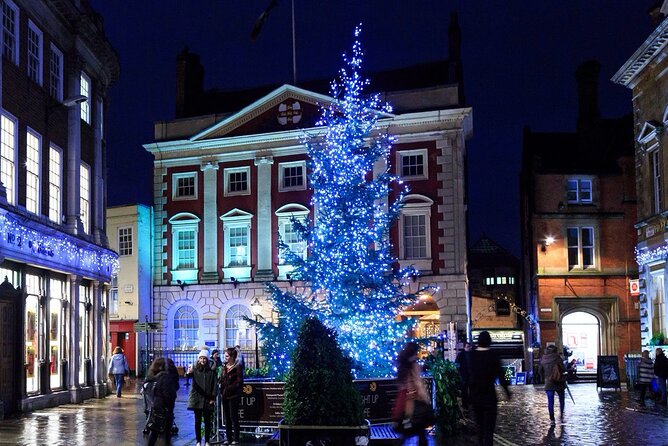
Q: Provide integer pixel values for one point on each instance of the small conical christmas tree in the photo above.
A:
(351, 285)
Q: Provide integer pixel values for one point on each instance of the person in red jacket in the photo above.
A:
(231, 382)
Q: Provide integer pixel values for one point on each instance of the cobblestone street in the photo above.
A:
(597, 418)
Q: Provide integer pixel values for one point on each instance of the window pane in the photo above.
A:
(84, 197)
(85, 91)
(237, 333)
(125, 241)
(585, 191)
(238, 181)
(32, 172)
(9, 31)
(238, 246)
(186, 326)
(412, 165)
(8, 152)
(54, 185)
(186, 249)
(185, 186)
(293, 176)
(415, 240)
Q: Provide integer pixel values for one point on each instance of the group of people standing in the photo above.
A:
(210, 376)
(648, 371)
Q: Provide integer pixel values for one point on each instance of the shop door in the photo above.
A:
(581, 333)
(9, 346)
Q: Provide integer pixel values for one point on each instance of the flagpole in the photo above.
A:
(294, 48)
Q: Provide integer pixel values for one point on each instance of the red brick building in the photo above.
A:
(578, 211)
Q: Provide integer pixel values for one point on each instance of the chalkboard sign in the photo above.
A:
(607, 372)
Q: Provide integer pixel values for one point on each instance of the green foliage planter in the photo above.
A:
(321, 405)
(324, 435)
(448, 382)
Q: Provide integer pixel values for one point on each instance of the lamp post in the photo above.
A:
(256, 309)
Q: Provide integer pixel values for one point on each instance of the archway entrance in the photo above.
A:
(581, 333)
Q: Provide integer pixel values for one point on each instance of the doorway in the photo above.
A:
(581, 333)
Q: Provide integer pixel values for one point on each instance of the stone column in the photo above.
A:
(210, 196)
(97, 358)
(264, 232)
(98, 193)
(73, 210)
(73, 358)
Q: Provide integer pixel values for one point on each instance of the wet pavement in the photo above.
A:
(597, 418)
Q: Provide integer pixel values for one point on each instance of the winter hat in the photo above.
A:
(204, 352)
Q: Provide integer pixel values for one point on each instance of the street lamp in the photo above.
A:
(256, 309)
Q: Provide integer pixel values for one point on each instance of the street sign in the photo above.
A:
(151, 327)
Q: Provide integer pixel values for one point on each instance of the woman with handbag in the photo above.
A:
(202, 395)
(118, 367)
(231, 382)
(553, 370)
(412, 411)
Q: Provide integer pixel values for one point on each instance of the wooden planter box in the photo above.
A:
(324, 435)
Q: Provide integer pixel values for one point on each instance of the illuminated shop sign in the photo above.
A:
(56, 247)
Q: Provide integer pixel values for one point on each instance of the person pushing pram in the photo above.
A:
(159, 392)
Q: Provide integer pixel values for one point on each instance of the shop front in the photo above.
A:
(53, 300)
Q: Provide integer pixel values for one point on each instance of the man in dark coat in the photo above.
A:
(661, 372)
(484, 368)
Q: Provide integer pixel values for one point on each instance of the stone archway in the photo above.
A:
(604, 309)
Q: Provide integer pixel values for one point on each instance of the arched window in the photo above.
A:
(237, 330)
(186, 327)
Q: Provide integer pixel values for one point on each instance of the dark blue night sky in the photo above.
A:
(519, 65)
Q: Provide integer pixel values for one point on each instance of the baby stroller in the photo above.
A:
(147, 393)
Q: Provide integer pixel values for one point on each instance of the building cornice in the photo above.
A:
(628, 74)
(423, 125)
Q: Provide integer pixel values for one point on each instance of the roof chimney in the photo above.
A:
(189, 83)
(587, 78)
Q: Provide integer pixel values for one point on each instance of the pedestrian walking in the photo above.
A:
(162, 385)
(661, 372)
(462, 363)
(552, 366)
(412, 410)
(231, 383)
(645, 375)
(484, 368)
(118, 367)
(202, 395)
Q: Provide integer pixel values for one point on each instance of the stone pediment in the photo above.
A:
(649, 131)
(284, 109)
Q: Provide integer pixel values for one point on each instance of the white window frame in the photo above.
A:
(234, 219)
(84, 196)
(85, 90)
(401, 154)
(37, 56)
(285, 215)
(125, 241)
(281, 176)
(14, 33)
(235, 330)
(580, 184)
(656, 171)
(184, 221)
(226, 179)
(579, 266)
(113, 296)
(657, 303)
(55, 184)
(56, 76)
(8, 155)
(416, 204)
(175, 186)
(196, 326)
(33, 171)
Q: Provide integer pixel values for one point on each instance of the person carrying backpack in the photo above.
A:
(160, 392)
(552, 368)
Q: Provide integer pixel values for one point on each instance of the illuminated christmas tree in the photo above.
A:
(350, 283)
